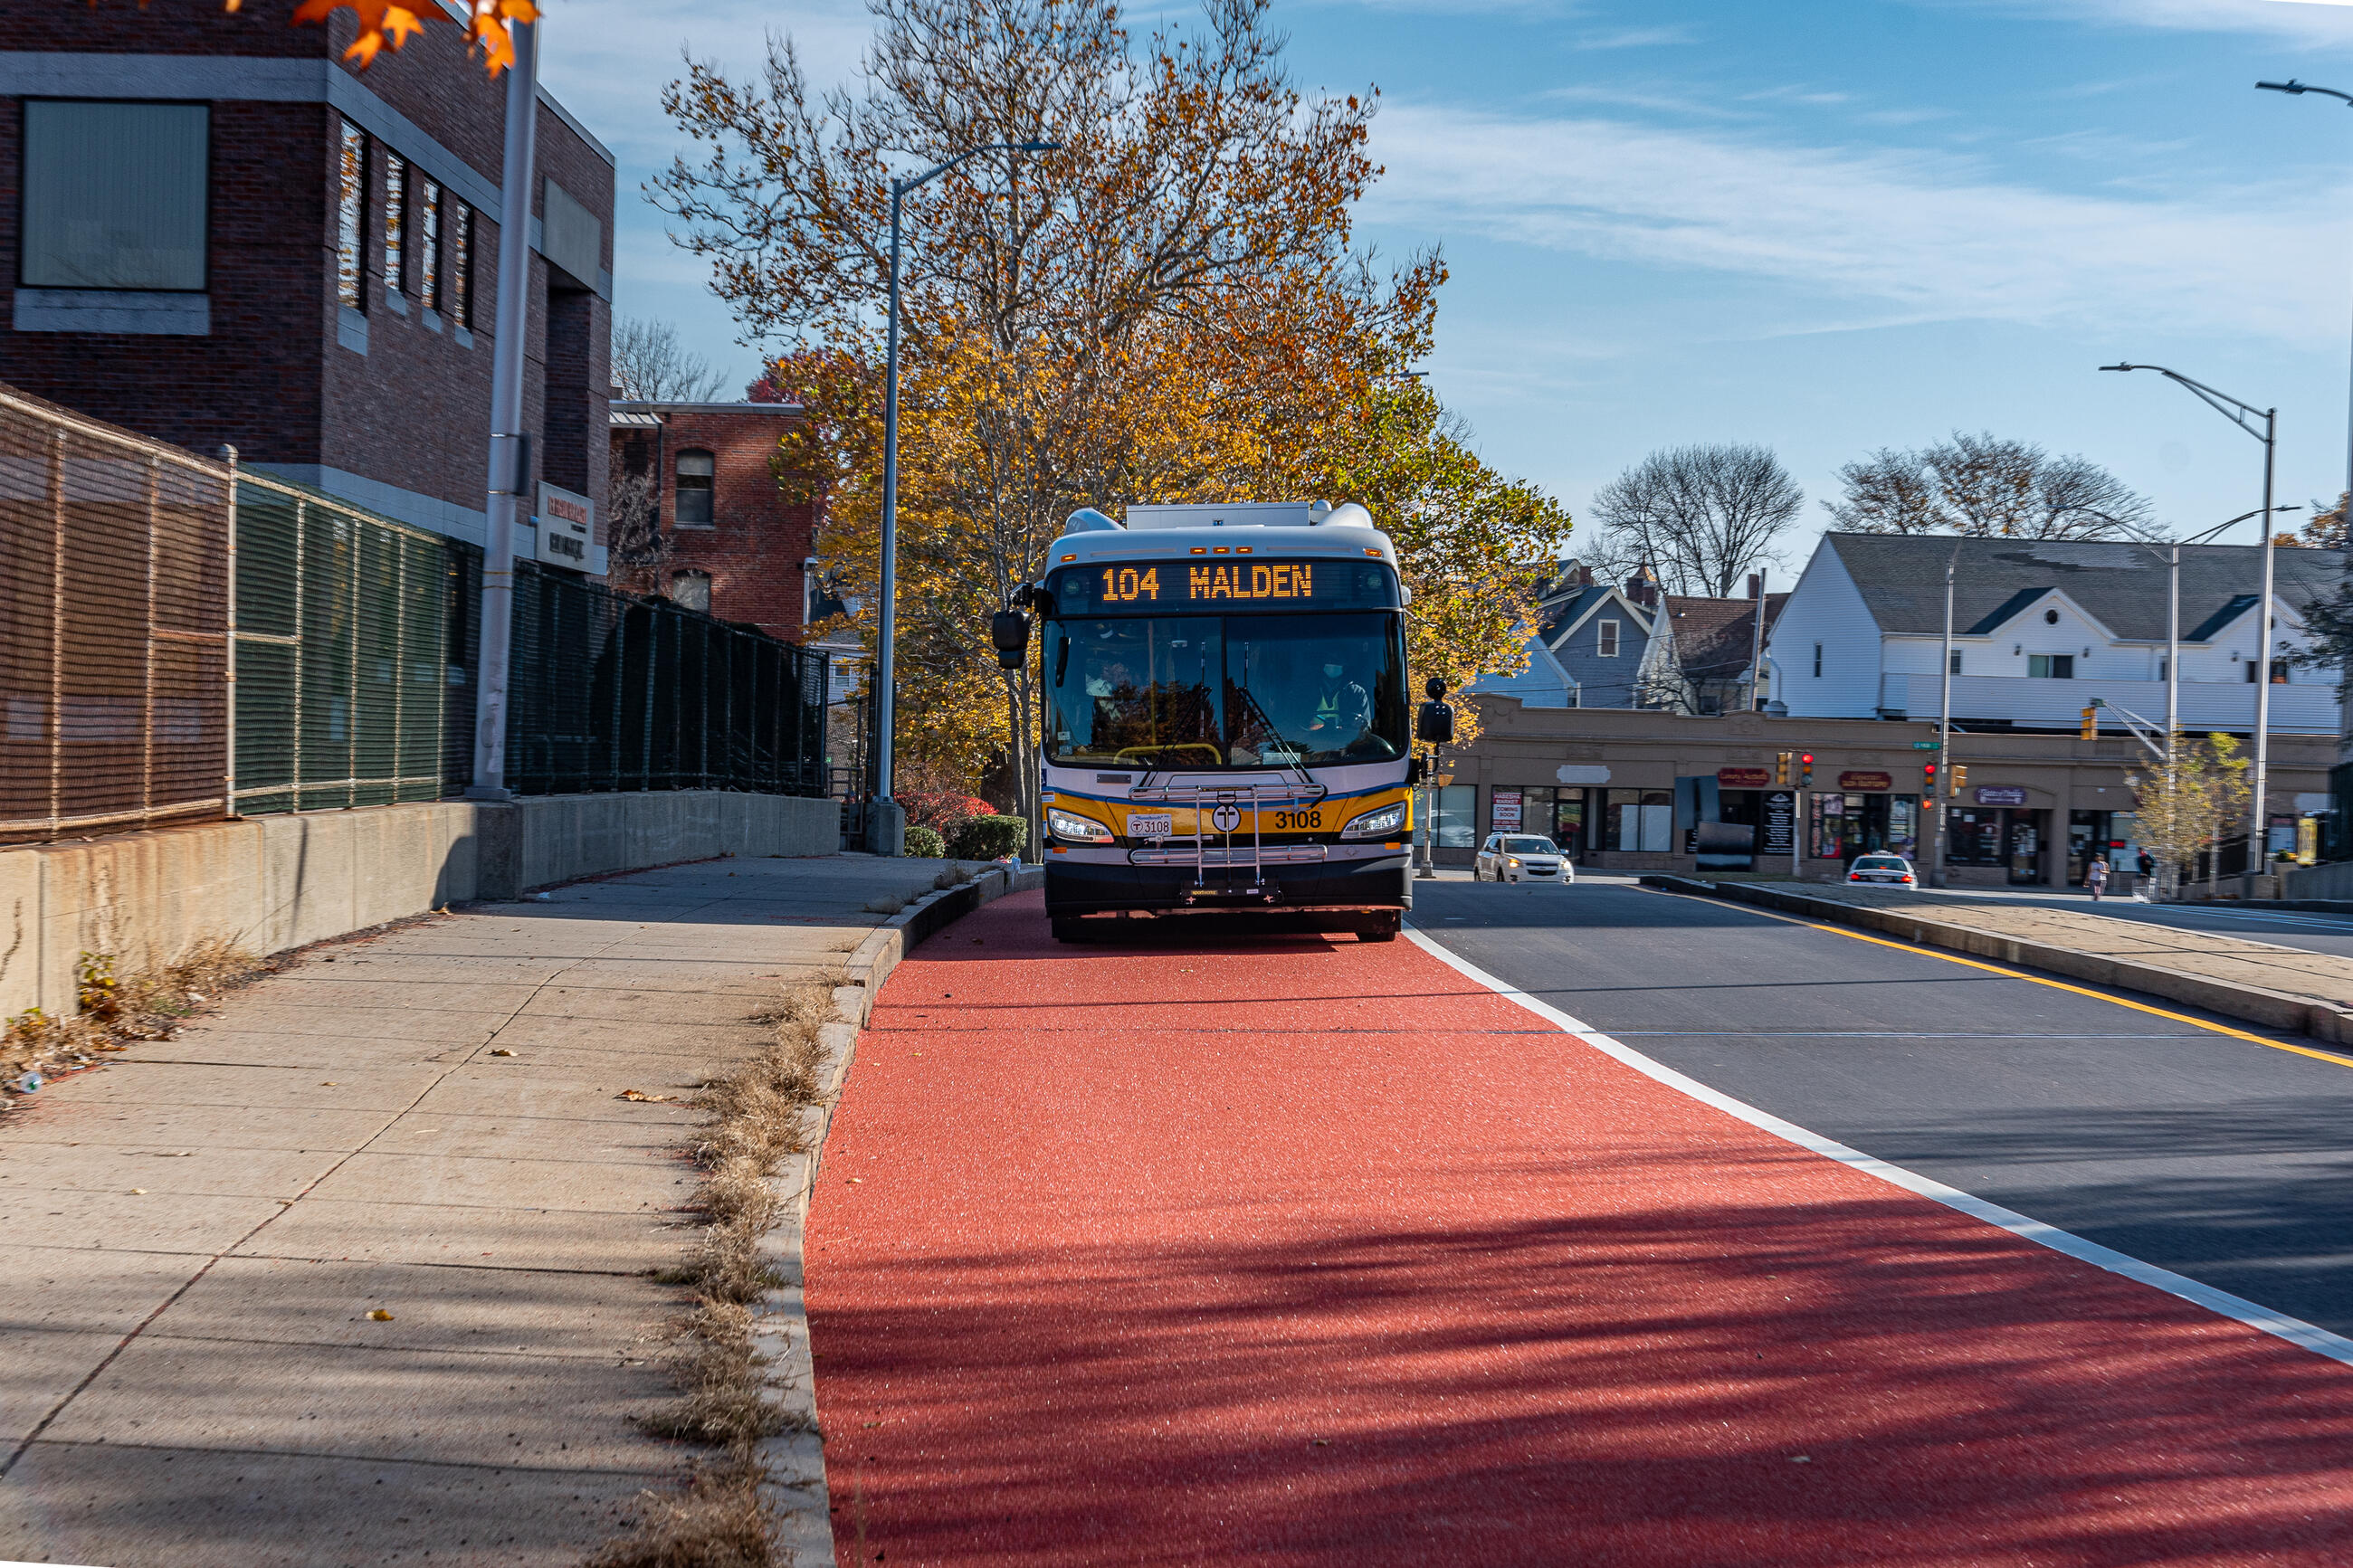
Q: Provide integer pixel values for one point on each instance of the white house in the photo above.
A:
(2043, 628)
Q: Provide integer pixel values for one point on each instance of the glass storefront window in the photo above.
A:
(1639, 820)
(1453, 810)
(1568, 820)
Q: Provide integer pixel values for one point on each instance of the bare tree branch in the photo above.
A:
(1702, 517)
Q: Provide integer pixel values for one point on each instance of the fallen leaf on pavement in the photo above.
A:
(501, 1051)
(381, 1316)
(139, 1192)
(641, 1094)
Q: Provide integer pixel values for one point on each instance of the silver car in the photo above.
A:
(1886, 869)
(1521, 858)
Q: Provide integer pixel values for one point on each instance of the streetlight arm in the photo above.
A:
(2298, 89)
(901, 187)
(2246, 416)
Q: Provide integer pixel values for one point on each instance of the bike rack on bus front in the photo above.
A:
(1218, 794)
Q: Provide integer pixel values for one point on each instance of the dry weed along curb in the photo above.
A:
(756, 1496)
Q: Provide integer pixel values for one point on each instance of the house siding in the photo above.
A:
(1826, 607)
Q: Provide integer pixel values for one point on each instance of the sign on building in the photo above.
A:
(2001, 795)
(1504, 814)
(1864, 783)
(567, 530)
(1742, 778)
(1780, 822)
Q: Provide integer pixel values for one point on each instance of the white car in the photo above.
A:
(1521, 858)
(1893, 870)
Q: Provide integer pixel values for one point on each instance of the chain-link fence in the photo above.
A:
(127, 618)
(114, 620)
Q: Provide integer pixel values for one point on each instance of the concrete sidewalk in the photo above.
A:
(424, 1123)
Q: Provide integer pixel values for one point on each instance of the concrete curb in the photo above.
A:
(795, 1460)
(2323, 1021)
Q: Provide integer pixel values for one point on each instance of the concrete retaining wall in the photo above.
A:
(274, 882)
(2334, 881)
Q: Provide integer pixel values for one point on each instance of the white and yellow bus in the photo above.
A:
(1225, 717)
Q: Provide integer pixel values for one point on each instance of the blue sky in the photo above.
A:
(1826, 226)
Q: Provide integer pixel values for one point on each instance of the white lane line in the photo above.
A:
(2295, 1331)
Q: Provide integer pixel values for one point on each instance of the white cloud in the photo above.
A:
(1634, 38)
(1884, 235)
(2321, 22)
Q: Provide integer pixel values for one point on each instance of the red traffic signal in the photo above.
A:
(1805, 767)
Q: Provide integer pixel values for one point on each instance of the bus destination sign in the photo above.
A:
(1202, 585)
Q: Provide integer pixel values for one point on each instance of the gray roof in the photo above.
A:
(1902, 578)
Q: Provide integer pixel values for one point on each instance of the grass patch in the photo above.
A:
(116, 1009)
(758, 1117)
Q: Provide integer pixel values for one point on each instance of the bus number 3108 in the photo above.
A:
(1283, 819)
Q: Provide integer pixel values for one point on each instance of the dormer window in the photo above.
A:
(1605, 641)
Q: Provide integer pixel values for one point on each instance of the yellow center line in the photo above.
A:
(2038, 980)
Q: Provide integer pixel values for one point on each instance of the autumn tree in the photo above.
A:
(1167, 309)
(386, 23)
(1702, 517)
(1990, 486)
(2195, 803)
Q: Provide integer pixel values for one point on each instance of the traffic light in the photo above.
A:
(1782, 770)
(1959, 778)
(1928, 780)
(2090, 730)
(1805, 769)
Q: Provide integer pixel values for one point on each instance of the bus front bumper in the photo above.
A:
(1082, 888)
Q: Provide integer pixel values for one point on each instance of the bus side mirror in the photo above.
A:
(1009, 631)
(1434, 724)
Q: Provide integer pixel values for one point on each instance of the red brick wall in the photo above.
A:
(755, 550)
(271, 378)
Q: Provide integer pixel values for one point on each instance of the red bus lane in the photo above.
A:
(1286, 1252)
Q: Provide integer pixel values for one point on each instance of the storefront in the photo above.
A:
(2008, 838)
(2109, 833)
(1864, 815)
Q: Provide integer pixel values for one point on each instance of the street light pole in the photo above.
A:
(2295, 89)
(2244, 416)
(886, 631)
(510, 446)
(1943, 794)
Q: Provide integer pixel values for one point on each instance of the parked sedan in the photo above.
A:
(1521, 858)
(1892, 869)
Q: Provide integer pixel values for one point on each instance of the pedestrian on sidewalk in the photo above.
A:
(2095, 877)
(2148, 889)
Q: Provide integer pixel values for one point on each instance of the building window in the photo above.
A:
(1956, 664)
(2279, 672)
(1605, 642)
(114, 195)
(2051, 666)
(2162, 664)
(1638, 821)
(429, 246)
(396, 223)
(461, 264)
(1817, 662)
(350, 215)
(694, 470)
(691, 590)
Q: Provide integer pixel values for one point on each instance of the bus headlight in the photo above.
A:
(1077, 829)
(1378, 824)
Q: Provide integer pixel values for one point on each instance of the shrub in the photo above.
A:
(926, 844)
(941, 809)
(987, 838)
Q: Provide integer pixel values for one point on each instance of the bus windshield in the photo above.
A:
(1257, 690)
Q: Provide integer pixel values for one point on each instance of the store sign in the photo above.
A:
(1742, 778)
(1780, 822)
(1865, 782)
(567, 530)
(2001, 795)
(1504, 814)
(1582, 773)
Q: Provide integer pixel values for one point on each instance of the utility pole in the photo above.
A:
(510, 444)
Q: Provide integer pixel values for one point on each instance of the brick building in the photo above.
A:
(218, 232)
(732, 541)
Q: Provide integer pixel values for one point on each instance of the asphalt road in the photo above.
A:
(2218, 1158)
(2311, 929)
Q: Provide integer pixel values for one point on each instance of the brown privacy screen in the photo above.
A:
(113, 627)
(349, 642)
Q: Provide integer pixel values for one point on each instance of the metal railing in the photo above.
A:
(181, 640)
